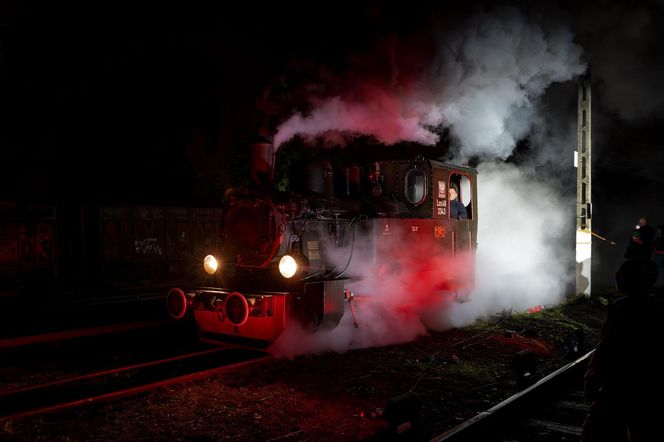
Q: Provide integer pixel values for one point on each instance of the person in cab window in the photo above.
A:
(457, 209)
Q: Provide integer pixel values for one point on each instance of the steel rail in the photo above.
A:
(122, 392)
(485, 424)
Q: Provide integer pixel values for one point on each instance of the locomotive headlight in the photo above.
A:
(287, 266)
(210, 264)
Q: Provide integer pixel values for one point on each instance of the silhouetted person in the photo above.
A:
(640, 243)
(625, 375)
(457, 209)
(658, 255)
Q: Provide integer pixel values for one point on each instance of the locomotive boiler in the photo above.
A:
(293, 241)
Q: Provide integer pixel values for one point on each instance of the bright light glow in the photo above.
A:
(584, 242)
(210, 264)
(287, 266)
(584, 248)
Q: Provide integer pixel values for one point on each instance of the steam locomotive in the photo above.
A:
(294, 242)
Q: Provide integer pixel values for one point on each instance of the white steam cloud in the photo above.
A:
(500, 65)
(489, 76)
(384, 117)
(519, 264)
(522, 245)
(486, 88)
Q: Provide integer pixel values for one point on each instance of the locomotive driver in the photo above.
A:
(457, 209)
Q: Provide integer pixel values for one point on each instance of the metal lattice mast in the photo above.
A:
(583, 189)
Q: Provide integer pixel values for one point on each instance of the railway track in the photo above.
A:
(120, 382)
(553, 409)
(27, 360)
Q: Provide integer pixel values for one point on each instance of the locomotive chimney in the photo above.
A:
(262, 161)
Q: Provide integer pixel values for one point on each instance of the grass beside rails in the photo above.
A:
(564, 316)
(480, 373)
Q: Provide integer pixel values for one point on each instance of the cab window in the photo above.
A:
(415, 186)
(461, 186)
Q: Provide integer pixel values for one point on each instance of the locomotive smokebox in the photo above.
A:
(262, 162)
(319, 179)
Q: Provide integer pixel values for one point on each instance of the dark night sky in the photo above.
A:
(147, 100)
(151, 105)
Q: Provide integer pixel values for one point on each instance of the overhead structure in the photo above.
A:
(582, 161)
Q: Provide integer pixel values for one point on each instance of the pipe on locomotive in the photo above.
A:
(262, 161)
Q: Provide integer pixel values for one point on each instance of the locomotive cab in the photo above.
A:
(415, 226)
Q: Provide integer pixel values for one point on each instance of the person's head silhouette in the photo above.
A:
(636, 276)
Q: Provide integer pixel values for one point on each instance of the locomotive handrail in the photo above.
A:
(228, 291)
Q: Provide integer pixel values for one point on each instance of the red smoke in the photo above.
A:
(417, 274)
(375, 95)
(407, 285)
